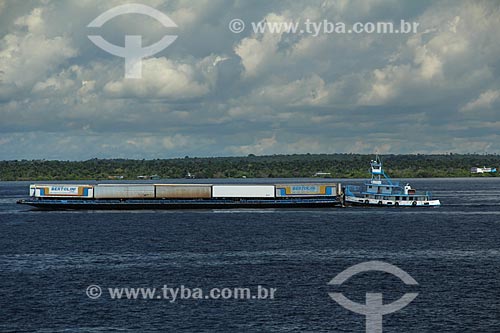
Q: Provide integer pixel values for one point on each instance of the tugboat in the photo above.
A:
(380, 190)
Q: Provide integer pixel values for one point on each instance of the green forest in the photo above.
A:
(275, 166)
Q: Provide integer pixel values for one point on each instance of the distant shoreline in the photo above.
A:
(221, 180)
(275, 166)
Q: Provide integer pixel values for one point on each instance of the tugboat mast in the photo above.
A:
(377, 172)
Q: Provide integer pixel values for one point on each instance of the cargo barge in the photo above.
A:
(183, 196)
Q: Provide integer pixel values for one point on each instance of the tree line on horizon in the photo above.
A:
(251, 166)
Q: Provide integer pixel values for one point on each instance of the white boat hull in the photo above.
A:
(398, 203)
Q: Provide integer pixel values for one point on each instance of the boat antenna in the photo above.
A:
(377, 171)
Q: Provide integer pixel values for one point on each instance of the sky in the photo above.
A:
(214, 92)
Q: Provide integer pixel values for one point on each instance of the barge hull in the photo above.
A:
(178, 204)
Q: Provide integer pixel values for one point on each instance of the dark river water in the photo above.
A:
(48, 260)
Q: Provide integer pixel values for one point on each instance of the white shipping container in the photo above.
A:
(124, 191)
(243, 191)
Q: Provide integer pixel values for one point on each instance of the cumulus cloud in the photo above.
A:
(485, 101)
(259, 52)
(442, 58)
(27, 55)
(306, 91)
(261, 146)
(213, 92)
(163, 78)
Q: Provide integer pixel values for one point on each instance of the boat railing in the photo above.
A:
(422, 193)
(393, 184)
(350, 188)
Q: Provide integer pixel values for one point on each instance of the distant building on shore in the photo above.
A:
(152, 177)
(482, 170)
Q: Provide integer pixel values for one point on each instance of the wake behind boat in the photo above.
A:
(380, 190)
